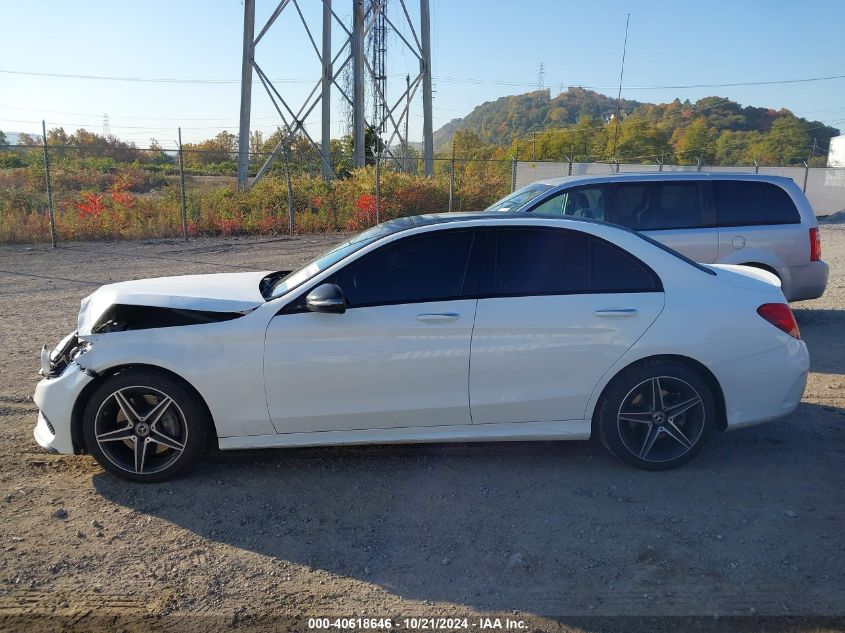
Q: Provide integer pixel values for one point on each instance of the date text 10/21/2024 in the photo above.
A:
(417, 624)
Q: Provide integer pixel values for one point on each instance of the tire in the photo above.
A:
(144, 426)
(651, 431)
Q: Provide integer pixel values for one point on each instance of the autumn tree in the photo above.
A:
(787, 142)
(694, 142)
(222, 148)
(640, 141)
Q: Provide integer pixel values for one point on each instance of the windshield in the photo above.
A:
(333, 256)
(519, 198)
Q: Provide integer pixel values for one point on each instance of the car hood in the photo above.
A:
(222, 292)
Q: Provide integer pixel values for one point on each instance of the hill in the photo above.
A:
(514, 116)
(715, 129)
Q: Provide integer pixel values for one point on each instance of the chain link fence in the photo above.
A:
(63, 193)
(824, 186)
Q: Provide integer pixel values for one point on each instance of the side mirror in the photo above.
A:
(326, 298)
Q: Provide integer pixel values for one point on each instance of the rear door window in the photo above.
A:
(615, 270)
(546, 261)
(744, 202)
(645, 206)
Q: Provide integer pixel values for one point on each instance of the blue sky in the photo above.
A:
(481, 50)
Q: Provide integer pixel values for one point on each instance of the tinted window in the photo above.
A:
(541, 261)
(614, 270)
(428, 267)
(740, 202)
(646, 206)
(581, 202)
(549, 261)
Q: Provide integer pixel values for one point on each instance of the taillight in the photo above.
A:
(779, 315)
(815, 245)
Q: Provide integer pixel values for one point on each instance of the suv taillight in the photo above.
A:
(779, 315)
(815, 245)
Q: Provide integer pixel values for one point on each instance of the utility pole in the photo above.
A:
(807, 165)
(378, 181)
(619, 94)
(290, 191)
(246, 93)
(425, 71)
(452, 177)
(182, 189)
(47, 182)
(358, 135)
(407, 160)
(326, 99)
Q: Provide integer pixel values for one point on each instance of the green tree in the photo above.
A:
(640, 141)
(738, 148)
(589, 139)
(4, 142)
(157, 155)
(222, 148)
(26, 139)
(694, 142)
(787, 142)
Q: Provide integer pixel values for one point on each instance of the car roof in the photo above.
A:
(392, 227)
(662, 175)
(430, 219)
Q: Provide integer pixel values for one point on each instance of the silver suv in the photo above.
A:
(756, 220)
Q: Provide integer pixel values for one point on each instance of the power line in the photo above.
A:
(138, 127)
(446, 79)
(131, 118)
(469, 80)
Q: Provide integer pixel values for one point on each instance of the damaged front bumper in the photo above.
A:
(57, 393)
(54, 362)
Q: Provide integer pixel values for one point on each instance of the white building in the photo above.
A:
(836, 154)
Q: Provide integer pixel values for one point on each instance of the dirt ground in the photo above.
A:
(556, 534)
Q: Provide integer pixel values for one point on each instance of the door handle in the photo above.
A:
(614, 312)
(438, 317)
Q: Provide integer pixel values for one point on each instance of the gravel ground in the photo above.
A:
(557, 534)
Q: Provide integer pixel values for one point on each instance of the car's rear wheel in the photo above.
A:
(656, 415)
(145, 426)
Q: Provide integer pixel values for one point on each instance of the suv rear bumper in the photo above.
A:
(805, 282)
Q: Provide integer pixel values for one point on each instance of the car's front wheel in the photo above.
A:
(656, 415)
(145, 426)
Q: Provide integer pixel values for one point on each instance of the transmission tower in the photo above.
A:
(541, 77)
(106, 127)
(370, 25)
(378, 49)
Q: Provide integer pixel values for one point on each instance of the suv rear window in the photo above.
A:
(743, 202)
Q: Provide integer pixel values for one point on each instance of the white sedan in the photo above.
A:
(450, 328)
